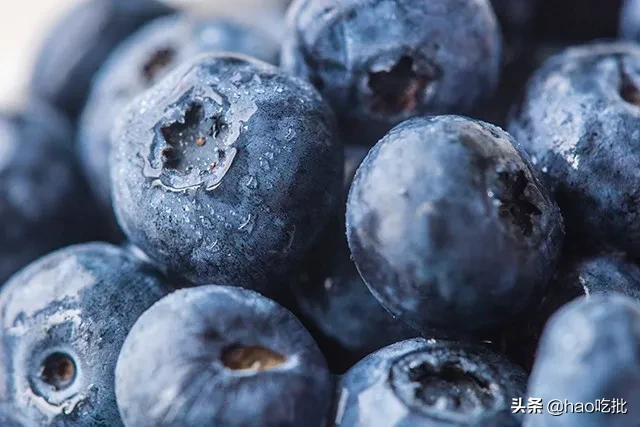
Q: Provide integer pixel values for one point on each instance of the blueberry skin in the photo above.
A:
(523, 60)
(226, 170)
(64, 319)
(580, 345)
(353, 157)
(221, 356)
(470, 247)
(10, 417)
(79, 44)
(579, 121)
(601, 274)
(516, 17)
(430, 383)
(142, 60)
(379, 62)
(630, 20)
(44, 202)
(333, 300)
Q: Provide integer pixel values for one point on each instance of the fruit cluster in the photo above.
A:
(222, 224)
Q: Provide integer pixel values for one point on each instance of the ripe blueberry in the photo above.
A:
(80, 43)
(44, 202)
(226, 170)
(141, 61)
(221, 356)
(588, 276)
(579, 121)
(630, 20)
(590, 350)
(450, 226)
(380, 62)
(516, 17)
(429, 383)
(11, 417)
(64, 320)
(334, 302)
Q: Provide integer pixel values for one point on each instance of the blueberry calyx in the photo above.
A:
(195, 150)
(252, 357)
(58, 370)
(510, 190)
(448, 390)
(182, 137)
(400, 88)
(56, 376)
(158, 61)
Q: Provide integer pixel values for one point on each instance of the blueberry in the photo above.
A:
(579, 121)
(334, 300)
(80, 43)
(226, 170)
(141, 61)
(604, 273)
(601, 274)
(590, 350)
(450, 227)
(516, 17)
(10, 417)
(429, 383)
(523, 61)
(331, 298)
(380, 62)
(64, 320)
(630, 20)
(44, 202)
(353, 157)
(222, 356)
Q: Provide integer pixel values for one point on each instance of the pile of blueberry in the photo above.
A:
(207, 222)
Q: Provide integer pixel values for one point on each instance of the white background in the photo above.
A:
(24, 23)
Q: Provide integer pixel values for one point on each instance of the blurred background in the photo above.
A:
(24, 25)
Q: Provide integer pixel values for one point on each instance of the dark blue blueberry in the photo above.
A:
(585, 276)
(353, 157)
(600, 274)
(44, 202)
(12, 417)
(380, 62)
(141, 61)
(516, 17)
(430, 383)
(515, 73)
(630, 20)
(79, 44)
(226, 170)
(579, 122)
(221, 356)
(522, 62)
(64, 320)
(450, 226)
(332, 299)
(590, 350)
